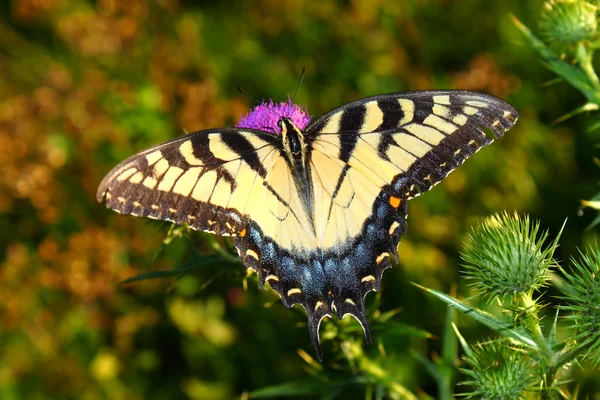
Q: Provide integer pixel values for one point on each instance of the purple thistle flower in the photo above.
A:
(266, 115)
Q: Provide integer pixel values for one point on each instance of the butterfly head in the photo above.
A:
(293, 139)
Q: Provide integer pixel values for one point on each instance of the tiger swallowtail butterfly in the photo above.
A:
(316, 210)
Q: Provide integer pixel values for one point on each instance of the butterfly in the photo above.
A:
(316, 212)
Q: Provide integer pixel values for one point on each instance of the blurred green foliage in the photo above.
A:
(84, 84)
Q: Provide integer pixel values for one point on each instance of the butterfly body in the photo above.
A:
(316, 212)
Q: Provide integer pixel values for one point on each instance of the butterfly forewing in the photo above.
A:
(416, 137)
(196, 179)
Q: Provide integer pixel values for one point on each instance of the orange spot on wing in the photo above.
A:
(243, 232)
(395, 201)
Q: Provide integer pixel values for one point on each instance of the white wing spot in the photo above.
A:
(381, 257)
(126, 174)
(439, 123)
(253, 254)
(442, 99)
(373, 117)
(368, 278)
(476, 103)
(393, 227)
(470, 110)
(294, 291)
(137, 178)
(408, 108)
(153, 157)
(442, 111)
(150, 182)
(460, 119)
(187, 151)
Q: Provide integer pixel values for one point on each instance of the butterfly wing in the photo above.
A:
(365, 160)
(194, 179)
(424, 135)
(231, 182)
(370, 156)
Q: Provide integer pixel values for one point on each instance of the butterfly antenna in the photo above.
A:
(299, 84)
(257, 102)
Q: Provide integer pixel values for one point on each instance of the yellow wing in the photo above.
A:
(216, 181)
(369, 157)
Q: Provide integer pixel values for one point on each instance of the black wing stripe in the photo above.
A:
(392, 114)
(201, 149)
(246, 151)
(350, 121)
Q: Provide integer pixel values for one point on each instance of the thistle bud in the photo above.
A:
(505, 256)
(498, 371)
(582, 288)
(566, 23)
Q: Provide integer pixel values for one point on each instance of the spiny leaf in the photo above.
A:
(503, 328)
(463, 343)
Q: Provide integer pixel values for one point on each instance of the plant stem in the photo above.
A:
(547, 359)
(532, 324)
(584, 58)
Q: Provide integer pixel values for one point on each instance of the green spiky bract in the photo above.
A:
(497, 371)
(566, 23)
(505, 256)
(582, 293)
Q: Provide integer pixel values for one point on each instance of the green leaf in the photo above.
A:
(430, 367)
(552, 334)
(579, 110)
(447, 363)
(449, 342)
(503, 328)
(179, 270)
(463, 343)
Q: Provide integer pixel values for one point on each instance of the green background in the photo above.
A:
(85, 84)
